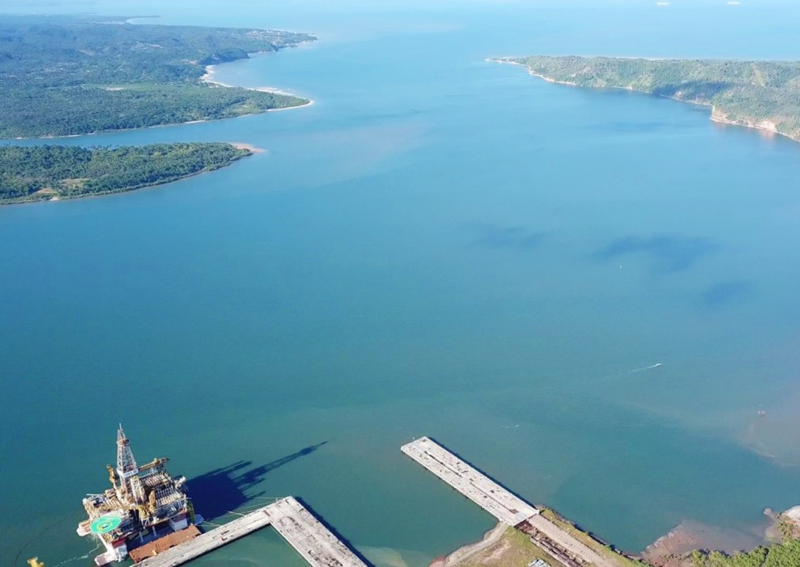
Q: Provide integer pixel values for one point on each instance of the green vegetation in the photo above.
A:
(763, 94)
(68, 75)
(786, 554)
(82, 110)
(50, 172)
(786, 528)
(513, 549)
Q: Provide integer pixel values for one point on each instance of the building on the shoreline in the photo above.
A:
(143, 504)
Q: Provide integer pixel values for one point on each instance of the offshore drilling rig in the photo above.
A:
(144, 503)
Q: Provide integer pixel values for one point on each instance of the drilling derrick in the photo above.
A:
(127, 469)
(126, 464)
(144, 503)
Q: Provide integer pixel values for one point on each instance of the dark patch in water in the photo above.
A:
(519, 238)
(726, 293)
(669, 253)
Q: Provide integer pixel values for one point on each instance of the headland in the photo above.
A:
(134, 78)
(763, 95)
(54, 173)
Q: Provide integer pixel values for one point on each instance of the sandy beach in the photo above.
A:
(245, 146)
(209, 78)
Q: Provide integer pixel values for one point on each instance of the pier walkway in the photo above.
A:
(476, 486)
(561, 545)
(309, 537)
(318, 546)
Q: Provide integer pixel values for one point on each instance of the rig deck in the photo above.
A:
(318, 546)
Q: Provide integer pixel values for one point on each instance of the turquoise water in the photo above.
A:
(438, 246)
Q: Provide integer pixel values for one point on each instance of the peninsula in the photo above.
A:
(44, 173)
(73, 75)
(756, 94)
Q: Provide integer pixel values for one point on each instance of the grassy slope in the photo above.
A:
(514, 549)
(588, 539)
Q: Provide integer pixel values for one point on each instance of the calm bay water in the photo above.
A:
(441, 246)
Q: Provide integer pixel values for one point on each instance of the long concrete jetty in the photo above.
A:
(318, 546)
(309, 537)
(561, 545)
(476, 486)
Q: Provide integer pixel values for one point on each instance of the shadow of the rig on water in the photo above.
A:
(218, 492)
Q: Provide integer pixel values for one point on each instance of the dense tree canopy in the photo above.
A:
(47, 172)
(83, 110)
(66, 75)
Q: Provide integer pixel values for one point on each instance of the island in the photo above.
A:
(46, 173)
(756, 94)
(73, 75)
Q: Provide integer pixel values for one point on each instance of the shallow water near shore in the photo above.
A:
(590, 295)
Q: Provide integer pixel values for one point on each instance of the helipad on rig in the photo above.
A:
(143, 504)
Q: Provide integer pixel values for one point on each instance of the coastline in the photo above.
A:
(208, 78)
(465, 552)
(718, 116)
(673, 549)
(59, 198)
(187, 123)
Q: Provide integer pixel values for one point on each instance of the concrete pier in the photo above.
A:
(305, 533)
(561, 545)
(476, 486)
(309, 537)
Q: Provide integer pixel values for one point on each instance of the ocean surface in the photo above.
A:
(591, 295)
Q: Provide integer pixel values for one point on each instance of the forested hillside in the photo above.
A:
(82, 110)
(49, 172)
(68, 75)
(762, 94)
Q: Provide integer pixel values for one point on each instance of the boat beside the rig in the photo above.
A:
(143, 504)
